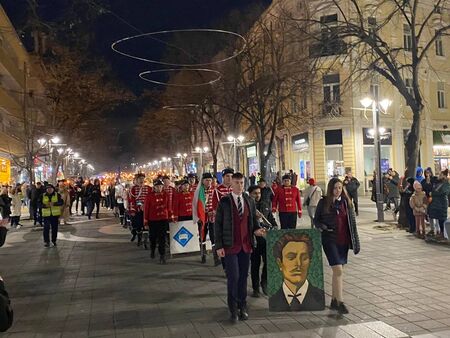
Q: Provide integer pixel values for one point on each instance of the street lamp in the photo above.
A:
(235, 140)
(376, 107)
(201, 150)
(182, 158)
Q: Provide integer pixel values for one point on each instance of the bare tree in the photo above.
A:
(259, 86)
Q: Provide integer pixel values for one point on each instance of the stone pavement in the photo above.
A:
(98, 284)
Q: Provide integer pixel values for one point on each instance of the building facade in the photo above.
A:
(337, 135)
(17, 77)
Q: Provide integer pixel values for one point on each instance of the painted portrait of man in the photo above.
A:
(293, 253)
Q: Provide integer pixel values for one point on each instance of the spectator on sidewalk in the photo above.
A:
(336, 220)
(294, 177)
(6, 312)
(352, 184)
(266, 192)
(5, 206)
(438, 207)
(427, 184)
(93, 196)
(313, 196)
(418, 202)
(51, 211)
(393, 195)
(65, 196)
(35, 198)
(16, 206)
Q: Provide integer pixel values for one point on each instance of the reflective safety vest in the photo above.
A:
(55, 210)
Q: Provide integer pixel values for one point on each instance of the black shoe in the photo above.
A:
(234, 319)
(203, 261)
(96, 216)
(152, 255)
(47, 244)
(334, 304)
(162, 260)
(217, 261)
(342, 309)
(243, 314)
(54, 243)
(145, 246)
(255, 294)
(89, 217)
(133, 238)
(139, 242)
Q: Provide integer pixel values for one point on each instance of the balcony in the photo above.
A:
(331, 109)
(327, 48)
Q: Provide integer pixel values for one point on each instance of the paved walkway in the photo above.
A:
(98, 284)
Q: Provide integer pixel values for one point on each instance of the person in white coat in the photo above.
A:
(313, 196)
(16, 206)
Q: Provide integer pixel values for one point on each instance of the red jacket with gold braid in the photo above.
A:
(155, 208)
(182, 204)
(217, 195)
(193, 187)
(287, 199)
(136, 197)
(170, 192)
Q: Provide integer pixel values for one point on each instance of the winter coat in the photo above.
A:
(418, 203)
(223, 225)
(352, 186)
(16, 205)
(5, 206)
(438, 207)
(392, 185)
(6, 312)
(314, 193)
(265, 208)
(427, 187)
(326, 219)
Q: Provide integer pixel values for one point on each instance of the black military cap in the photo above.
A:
(207, 175)
(227, 171)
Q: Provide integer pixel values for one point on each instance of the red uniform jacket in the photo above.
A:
(182, 204)
(156, 207)
(193, 187)
(287, 199)
(170, 192)
(217, 194)
(136, 197)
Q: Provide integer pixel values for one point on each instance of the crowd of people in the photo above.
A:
(235, 222)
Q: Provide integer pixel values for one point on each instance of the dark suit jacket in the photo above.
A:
(314, 300)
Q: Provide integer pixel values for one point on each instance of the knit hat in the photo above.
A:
(311, 181)
(417, 185)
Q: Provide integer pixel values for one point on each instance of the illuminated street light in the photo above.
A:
(55, 139)
(382, 105)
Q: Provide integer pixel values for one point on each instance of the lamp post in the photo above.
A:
(201, 150)
(376, 106)
(235, 141)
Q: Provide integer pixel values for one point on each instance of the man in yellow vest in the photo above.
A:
(51, 211)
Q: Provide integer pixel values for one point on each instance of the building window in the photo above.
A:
(439, 46)
(333, 153)
(441, 95)
(409, 86)
(330, 43)
(331, 88)
(407, 38)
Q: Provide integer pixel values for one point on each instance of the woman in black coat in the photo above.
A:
(335, 218)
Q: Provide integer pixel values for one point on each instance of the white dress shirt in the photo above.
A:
(301, 293)
(235, 198)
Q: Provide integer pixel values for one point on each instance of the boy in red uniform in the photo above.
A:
(287, 202)
(182, 203)
(192, 180)
(156, 219)
(170, 191)
(136, 198)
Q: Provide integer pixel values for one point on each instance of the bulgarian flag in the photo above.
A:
(199, 205)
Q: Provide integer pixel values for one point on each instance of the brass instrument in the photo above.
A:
(267, 225)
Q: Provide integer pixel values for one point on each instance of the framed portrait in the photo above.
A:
(295, 270)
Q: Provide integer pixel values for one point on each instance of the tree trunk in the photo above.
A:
(412, 145)
(263, 160)
(214, 157)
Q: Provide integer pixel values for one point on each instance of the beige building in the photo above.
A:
(16, 74)
(338, 136)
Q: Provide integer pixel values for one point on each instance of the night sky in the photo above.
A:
(122, 18)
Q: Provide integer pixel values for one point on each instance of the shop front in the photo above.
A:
(5, 171)
(441, 150)
(301, 159)
(252, 160)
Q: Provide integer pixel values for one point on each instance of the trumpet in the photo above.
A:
(265, 222)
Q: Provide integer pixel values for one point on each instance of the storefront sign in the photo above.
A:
(5, 170)
(300, 142)
(251, 151)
